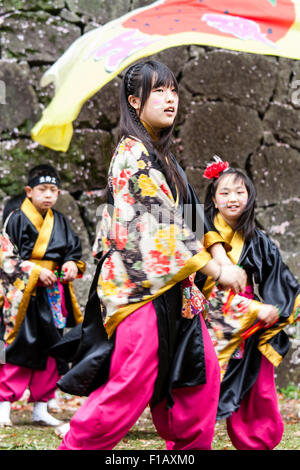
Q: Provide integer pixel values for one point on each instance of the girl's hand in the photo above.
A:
(268, 315)
(71, 271)
(229, 276)
(47, 277)
(233, 277)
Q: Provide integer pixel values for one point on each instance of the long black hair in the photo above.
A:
(139, 80)
(246, 223)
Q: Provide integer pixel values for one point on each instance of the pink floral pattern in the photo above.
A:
(193, 301)
(146, 239)
(14, 276)
(227, 317)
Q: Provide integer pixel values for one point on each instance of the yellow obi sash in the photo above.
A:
(44, 263)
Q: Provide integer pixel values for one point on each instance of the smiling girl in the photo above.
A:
(248, 396)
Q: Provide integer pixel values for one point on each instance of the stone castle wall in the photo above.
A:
(243, 107)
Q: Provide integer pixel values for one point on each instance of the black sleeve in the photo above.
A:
(14, 228)
(209, 232)
(276, 284)
(196, 218)
(12, 204)
(73, 250)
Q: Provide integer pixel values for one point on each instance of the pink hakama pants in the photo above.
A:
(110, 411)
(14, 380)
(258, 425)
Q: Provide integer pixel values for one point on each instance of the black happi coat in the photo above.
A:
(274, 284)
(37, 333)
(181, 351)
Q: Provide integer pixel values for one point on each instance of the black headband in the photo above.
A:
(43, 180)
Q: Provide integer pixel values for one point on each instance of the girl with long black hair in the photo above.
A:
(249, 338)
(151, 344)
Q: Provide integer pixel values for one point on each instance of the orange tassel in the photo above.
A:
(227, 304)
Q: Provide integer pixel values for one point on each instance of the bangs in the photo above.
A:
(239, 179)
(164, 78)
(155, 75)
(236, 177)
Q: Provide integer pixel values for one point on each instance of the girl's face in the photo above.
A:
(160, 108)
(231, 198)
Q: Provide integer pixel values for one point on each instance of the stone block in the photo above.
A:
(36, 36)
(292, 260)
(281, 221)
(175, 58)
(90, 203)
(288, 372)
(285, 71)
(84, 166)
(284, 123)
(103, 109)
(294, 86)
(100, 11)
(233, 132)
(276, 171)
(195, 177)
(140, 3)
(241, 78)
(21, 107)
(44, 94)
(32, 5)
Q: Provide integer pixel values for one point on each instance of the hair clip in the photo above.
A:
(214, 169)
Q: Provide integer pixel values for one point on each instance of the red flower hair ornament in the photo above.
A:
(214, 169)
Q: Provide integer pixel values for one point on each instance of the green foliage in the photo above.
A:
(291, 391)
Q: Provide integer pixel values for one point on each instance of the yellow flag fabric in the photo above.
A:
(269, 27)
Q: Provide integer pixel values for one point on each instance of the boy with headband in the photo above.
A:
(38, 262)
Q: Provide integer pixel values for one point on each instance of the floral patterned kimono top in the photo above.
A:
(148, 246)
